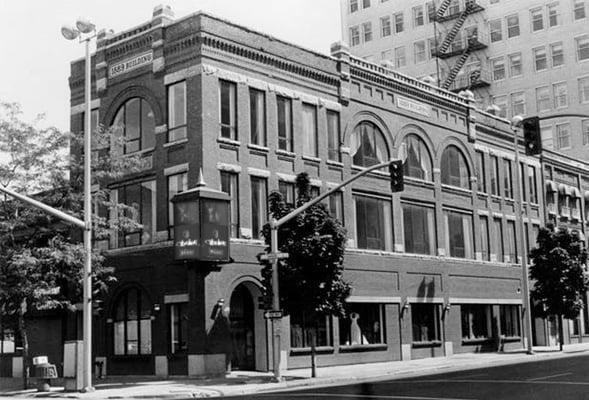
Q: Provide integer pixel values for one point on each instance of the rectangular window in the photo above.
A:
(259, 204)
(367, 31)
(335, 206)
(354, 36)
(543, 101)
(425, 322)
(459, 237)
(230, 185)
(385, 55)
(496, 30)
(303, 330)
(433, 47)
(287, 190)
(540, 59)
(560, 94)
(333, 136)
(511, 242)
(419, 51)
(537, 18)
(310, 138)
(476, 320)
(582, 46)
(399, 22)
(501, 102)
(512, 25)
(365, 3)
(485, 245)
(584, 90)
(400, 59)
(498, 229)
(515, 64)
(431, 11)
(353, 6)
(454, 7)
(507, 179)
(363, 324)
(579, 9)
(518, 103)
(373, 223)
(177, 111)
(553, 16)
(418, 16)
(228, 121)
(498, 69)
(509, 320)
(556, 54)
(178, 327)
(284, 111)
(494, 175)
(257, 117)
(563, 136)
(585, 132)
(532, 186)
(385, 26)
(481, 184)
(177, 183)
(522, 170)
(419, 229)
(141, 209)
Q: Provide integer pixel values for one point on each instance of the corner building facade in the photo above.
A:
(434, 268)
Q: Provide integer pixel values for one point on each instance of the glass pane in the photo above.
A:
(119, 339)
(147, 126)
(145, 342)
(132, 119)
(147, 211)
(132, 304)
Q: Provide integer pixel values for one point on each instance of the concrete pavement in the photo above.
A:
(241, 382)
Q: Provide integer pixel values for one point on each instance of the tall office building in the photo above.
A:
(527, 57)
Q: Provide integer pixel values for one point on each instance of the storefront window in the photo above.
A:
(362, 325)
(476, 321)
(425, 320)
(509, 315)
(303, 330)
(132, 323)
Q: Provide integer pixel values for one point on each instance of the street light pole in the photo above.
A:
(520, 227)
(88, 28)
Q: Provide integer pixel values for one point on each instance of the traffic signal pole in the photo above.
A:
(275, 255)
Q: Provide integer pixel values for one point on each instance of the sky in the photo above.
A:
(35, 58)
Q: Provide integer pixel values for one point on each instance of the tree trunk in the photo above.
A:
(25, 343)
(560, 332)
(313, 354)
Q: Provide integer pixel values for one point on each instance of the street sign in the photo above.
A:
(272, 257)
(275, 314)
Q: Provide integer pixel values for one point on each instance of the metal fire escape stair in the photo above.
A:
(453, 32)
(442, 9)
(456, 68)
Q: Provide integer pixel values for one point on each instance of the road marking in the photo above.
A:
(473, 376)
(489, 381)
(549, 376)
(368, 396)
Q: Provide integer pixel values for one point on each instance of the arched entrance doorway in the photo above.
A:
(241, 317)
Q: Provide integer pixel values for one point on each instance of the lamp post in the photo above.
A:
(85, 31)
(515, 124)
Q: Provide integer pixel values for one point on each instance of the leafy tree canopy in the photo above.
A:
(311, 278)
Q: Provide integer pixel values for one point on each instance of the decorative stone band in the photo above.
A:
(228, 167)
(263, 173)
(286, 177)
(176, 169)
(466, 300)
(374, 299)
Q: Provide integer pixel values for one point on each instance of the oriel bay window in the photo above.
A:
(177, 111)
(373, 222)
(303, 330)
(454, 168)
(132, 323)
(362, 325)
(459, 236)
(425, 322)
(228, 109)
(140, 199)
(476, 321)
(419, 163)
(419, 229)
(135, 122)
(368, 145)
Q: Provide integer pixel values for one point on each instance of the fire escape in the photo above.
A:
(458, 43)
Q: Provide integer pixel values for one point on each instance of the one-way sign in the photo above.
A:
(275, 314)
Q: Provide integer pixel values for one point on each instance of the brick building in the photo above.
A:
(434, 268)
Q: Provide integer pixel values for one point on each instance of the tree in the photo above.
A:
(41, 258)
(558, 269)
(311, 279)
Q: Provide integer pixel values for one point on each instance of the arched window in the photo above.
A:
(368, 145)
(132, 323)
(136, 122)
(454, 168)
(419, 163)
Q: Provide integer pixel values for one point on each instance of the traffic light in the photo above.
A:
(396, 171)
(532, 136)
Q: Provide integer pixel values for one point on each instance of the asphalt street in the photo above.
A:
(561, 379)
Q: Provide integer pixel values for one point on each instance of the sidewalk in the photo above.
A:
(241, 382)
